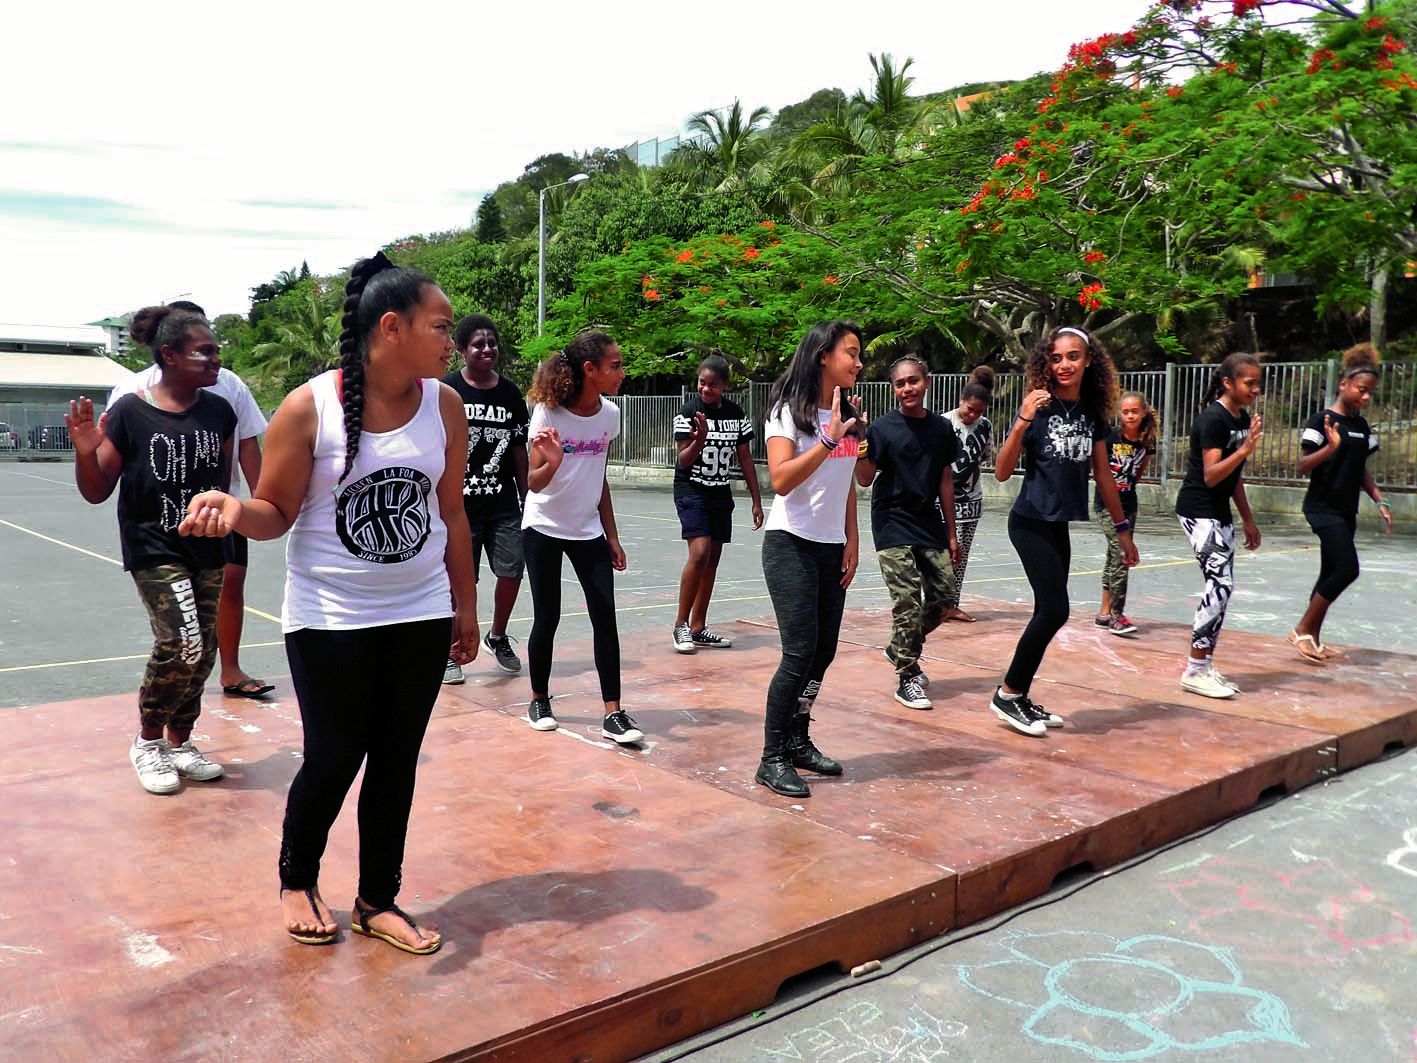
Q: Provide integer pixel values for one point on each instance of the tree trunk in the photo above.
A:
(1377, 309)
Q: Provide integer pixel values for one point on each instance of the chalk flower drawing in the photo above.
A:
(1126, 1000)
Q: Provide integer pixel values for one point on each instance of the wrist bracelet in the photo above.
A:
(1025, 420)
(1381, 503)
(827, 441)
(1120, 526)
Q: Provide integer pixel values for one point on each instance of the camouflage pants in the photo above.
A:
(1114, 573)
(181, 607)
(920, 581)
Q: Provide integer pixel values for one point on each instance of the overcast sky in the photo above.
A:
(151, 150)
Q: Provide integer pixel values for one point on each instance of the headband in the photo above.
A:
(1076, 332)
(1365, 367)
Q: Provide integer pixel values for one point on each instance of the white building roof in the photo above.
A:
(94, 336)
(94, 375)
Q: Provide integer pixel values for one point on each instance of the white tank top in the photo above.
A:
(369, 551)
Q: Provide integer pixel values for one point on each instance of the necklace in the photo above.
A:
(1068, 408)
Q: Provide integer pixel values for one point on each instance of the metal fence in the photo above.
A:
(1293, 392)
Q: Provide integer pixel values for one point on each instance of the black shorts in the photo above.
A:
(500, 536)
(704, 515)
(233, 549)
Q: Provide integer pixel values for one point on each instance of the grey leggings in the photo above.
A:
(804, 583)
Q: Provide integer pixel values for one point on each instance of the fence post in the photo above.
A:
(1168, 415)
(1330, 382)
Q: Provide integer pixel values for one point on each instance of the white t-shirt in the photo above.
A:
(815, 509)
(569, 506)
(250, 421)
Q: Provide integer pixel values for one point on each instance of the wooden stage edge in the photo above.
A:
(600, 903)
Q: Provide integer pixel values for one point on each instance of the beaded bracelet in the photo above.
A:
(1120, 526)
(827, 441)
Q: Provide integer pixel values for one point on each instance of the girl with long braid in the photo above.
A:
(364, 467)
(569, 514)
(1061, 430)
(1223, 437)
(1337, 443)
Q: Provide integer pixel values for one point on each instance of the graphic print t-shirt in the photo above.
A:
(569, 506)
(1125, 459)
(911, 455)
(1334, 485)
(728, 429)
(816, 508)
(1057, 452)
(496, 421)
(1216, 428)
(167, 458)
(974, 442)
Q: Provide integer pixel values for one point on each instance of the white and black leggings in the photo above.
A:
(591, 560)
(1214, 546)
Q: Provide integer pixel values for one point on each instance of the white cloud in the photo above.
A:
(195, 122)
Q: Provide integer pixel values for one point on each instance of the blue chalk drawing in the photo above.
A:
(1189, 989)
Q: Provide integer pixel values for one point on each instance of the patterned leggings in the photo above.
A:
(964, 532)
(1114, 573)
(1214, 546)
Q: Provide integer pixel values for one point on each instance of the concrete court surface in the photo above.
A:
(1283, 935)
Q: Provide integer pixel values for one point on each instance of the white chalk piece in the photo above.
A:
(869, 967)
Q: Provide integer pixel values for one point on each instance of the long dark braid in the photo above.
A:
(375, 287)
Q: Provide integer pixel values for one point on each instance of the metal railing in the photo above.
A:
(34, 430)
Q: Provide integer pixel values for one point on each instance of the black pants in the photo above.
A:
(591, 560)
(804, 583)
(1338, 557)
(1046, 552)
(365, 695)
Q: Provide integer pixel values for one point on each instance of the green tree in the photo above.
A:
(490, 229)
(729, 147)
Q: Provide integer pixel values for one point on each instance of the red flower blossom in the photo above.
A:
(1005, 160)
(1375, 24)
(703, 287)
(653, 295)
(1174, 91)
(751, 253)
(829, 279)
(1021, 143)
(1093, 257)
(767, 225)
(646, 281)
(1391, 45)
(1092, 296)
(1244, 7)
(686, 255)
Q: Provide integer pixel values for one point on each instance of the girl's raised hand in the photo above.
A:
(1332, 432)
(836, 427)
(1033, 402)
(1256, 434)
(547, 442)
(83, 432)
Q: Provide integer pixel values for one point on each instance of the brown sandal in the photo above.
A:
(363, 915)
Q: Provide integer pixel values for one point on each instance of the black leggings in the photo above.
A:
(804, 583)
(1046, 552)
(591, 560)
(1338, 558)
(365, 698)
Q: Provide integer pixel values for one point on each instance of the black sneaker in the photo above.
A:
(502, 653)
(683, 640)
(706, 639)
(620, 727)
(539, 714)
(915, 673)
(911, 694)
(1039, 713)
(1015, 713)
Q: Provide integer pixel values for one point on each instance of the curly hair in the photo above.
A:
(474, 323)
(1149, 424)
(1099, 380)
(1361, 358)
(559, 379)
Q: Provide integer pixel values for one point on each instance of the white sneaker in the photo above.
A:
(191, 763)
(153, 764)
(1224, 681)
(1207, 685)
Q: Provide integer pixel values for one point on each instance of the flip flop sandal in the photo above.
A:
(248, 688)
(1307, 647)
(311, 938)
(364, 914)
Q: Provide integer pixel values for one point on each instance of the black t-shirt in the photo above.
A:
(911, 456)
(1057, 455)
(168, 458)
(1334, 485)
(497, 420)
(1125, 460)
(1214, 428)
(728, 429)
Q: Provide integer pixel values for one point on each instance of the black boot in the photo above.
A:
(777, 774)
(803, 753)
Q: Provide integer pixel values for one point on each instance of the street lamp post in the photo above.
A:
(575, 179)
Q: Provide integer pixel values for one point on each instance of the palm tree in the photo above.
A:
(308, 344)
(728, 148)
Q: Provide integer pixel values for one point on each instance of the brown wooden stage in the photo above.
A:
(599, 903)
